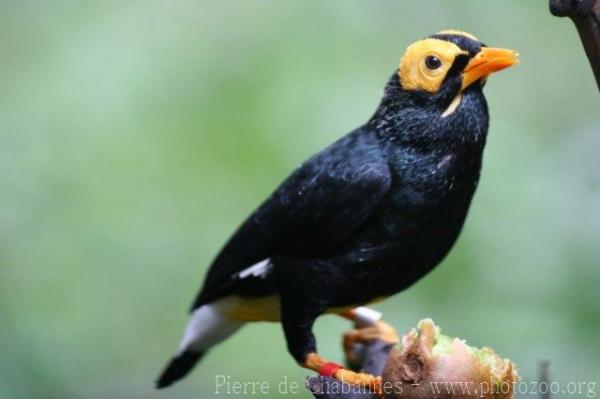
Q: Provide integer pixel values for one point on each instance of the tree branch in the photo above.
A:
(585, 14)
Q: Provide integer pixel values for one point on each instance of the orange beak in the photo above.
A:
(487, 61)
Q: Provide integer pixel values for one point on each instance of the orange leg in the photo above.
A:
(314, 362)
(319, 364)
(369, 328)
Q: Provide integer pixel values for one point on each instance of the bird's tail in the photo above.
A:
(179, 366)
(208, 325)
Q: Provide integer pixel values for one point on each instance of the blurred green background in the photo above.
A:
(136, 135)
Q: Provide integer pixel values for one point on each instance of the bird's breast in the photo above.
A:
(430, 195)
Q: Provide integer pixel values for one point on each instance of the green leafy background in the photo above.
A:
(136, 135)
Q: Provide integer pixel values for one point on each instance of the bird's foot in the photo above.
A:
(380, 330)
(329, 369)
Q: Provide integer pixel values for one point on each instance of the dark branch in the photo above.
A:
(586, 17)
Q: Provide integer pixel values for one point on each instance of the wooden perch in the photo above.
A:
(585, 14)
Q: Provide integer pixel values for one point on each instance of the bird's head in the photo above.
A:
(449, 62)
(435, 96)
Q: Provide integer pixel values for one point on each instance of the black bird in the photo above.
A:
(364, 218)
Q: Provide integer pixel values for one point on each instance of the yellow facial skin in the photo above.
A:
(413, 72)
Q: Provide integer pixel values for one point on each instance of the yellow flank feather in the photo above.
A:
(267, 308)
(458, 33)
(413, 71)
(254, 309)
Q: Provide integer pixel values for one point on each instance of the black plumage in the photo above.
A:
(367, 216)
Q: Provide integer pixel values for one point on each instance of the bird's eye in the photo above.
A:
(432, 62)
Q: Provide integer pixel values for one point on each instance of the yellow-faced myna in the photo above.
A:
(364, 218)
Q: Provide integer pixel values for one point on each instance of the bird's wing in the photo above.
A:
(312, 212)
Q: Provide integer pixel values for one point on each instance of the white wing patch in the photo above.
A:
(260, 269)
